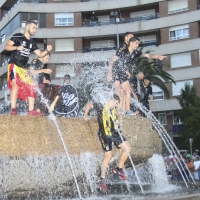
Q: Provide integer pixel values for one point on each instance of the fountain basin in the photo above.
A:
(32, 155)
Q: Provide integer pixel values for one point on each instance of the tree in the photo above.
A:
(154, 70)
(190, 115)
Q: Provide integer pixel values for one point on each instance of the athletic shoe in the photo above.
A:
(34, 113)
(103, 184)
(130, 112)
(13, 111)
(120, 173)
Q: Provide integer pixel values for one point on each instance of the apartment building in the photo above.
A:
(80, 30)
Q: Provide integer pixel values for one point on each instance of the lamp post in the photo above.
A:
(191, 140)
(115, 15)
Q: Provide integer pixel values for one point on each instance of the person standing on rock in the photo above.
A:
(109, 133)
(19, 79)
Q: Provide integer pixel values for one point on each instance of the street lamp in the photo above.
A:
(191, 141)
(115, 15)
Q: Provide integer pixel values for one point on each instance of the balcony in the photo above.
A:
(149, 43)
(112, 21)
(178, 10)
(177, 128)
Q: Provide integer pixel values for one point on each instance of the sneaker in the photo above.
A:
(103, 184)
(13, 111)
(120, 173)
(34, 113)
(130, 112)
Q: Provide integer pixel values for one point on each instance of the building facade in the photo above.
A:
(82, 30)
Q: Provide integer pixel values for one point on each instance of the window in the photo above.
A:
(102, 43)
(61, 70)
(148, 39)
(177, 6)
(162, 118)
(177, 33)
(157, 93)
(64, 19)
(104, 18)
(176, 89)
(176, 119)
(142, 13)
(64, 45)
(180, 60)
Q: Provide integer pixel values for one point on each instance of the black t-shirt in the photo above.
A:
(98, 107)
(125, 59)
(144, 93)
(69, 104)
(20, 58)
(121, 49)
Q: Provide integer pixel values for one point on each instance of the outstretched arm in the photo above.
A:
(109, 76)
(153, 56)
(87, 109)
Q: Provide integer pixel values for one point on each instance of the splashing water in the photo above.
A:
(167, 140)
(161, 183)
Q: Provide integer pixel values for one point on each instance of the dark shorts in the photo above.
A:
(107, 142)
(123, 77)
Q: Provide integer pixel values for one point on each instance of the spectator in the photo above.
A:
(197, 168)
(68, 107)
(190, 165)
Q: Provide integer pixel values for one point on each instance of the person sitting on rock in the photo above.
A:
(49, 95)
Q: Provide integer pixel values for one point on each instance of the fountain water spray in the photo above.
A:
(136, 174)
(165, 137)
(52, 117)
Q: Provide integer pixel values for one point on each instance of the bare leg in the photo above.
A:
(104, 165)
(125, 146)
(118, 91)
(127, 89)
(13, 94)
(123, 99)
(31, 101)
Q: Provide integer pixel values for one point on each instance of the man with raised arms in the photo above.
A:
(19, 79)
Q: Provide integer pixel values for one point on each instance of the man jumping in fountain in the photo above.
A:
(109, 133)
(19, 80)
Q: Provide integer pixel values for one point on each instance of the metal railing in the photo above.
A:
(26, 1)
(87, 49)
(88, 0)
(177, 128)
(111, 21)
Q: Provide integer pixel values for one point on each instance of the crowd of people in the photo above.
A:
(24, 79)
(187, 165)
